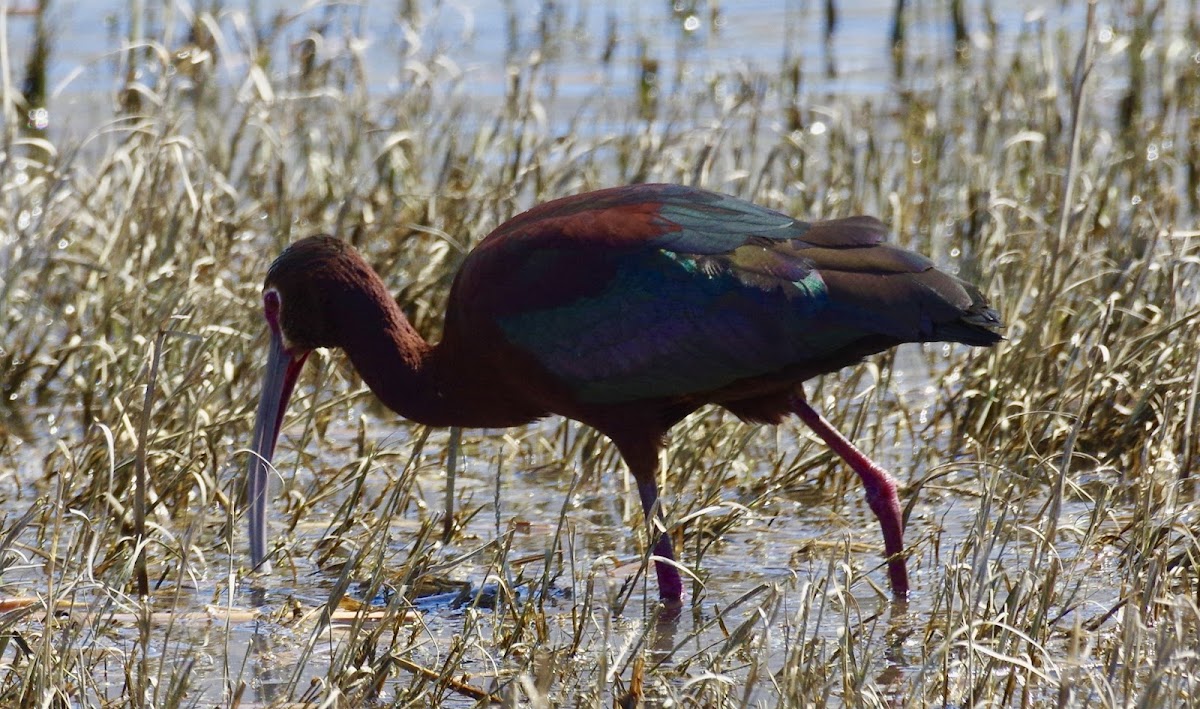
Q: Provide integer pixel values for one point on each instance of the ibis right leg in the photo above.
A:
(881, 492)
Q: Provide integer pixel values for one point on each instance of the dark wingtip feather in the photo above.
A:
(978, 325)
(968, 331)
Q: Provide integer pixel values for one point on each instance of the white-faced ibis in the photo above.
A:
(626, 309)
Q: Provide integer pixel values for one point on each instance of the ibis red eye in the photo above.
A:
(271, 308)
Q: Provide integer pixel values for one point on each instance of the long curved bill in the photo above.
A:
(278, 382)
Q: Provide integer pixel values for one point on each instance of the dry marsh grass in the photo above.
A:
(1052, 510)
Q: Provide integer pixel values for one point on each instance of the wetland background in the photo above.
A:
(156, 156)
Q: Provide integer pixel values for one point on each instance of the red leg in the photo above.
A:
(670, 584)
(881, 492)
(642, 458)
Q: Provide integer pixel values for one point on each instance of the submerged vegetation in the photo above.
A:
(1053, 518)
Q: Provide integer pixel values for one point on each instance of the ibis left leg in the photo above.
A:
(670, 583)
(642, 458)
(881, 492)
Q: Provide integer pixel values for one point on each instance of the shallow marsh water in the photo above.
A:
(788, 554)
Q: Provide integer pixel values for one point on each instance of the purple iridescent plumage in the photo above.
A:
(710, 292)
